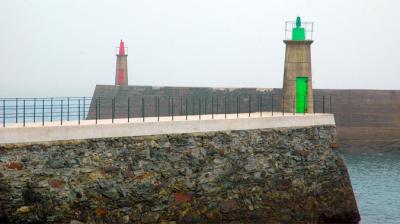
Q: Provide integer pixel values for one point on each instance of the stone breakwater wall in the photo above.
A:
(267, 175)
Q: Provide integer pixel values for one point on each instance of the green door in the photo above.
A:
(301, 94)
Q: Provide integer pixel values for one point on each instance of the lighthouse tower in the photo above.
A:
(297, 83)
(121, 74)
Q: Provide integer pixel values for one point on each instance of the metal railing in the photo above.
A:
(308, 28)
(63, 110)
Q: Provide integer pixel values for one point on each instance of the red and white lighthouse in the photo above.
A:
(121, 74)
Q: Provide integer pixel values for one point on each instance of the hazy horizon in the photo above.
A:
(65, 48)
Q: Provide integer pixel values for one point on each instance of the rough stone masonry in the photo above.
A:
(290, 175)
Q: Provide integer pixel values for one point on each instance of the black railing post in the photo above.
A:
(43, 112)
(199, 107)
(129, 108)
(34, 110)
(272, 104)
(181, 106)
(158, 108)
(113, 110)
(186, 107)
(172, 107)
(249, 105)
(323, 104)
(205, 105)
(79, 111)
(51, 110)
(217, 104)
(143, 108)
(16, 110)
(96, 109)
(62, 102)
(23, 111)
(4, 113)
(225, 106)
(99, 108)
(68, 109)
(169, 106)
(193, 105)
(212, 107)
(237, 106)
(84, 107)
(155, 106)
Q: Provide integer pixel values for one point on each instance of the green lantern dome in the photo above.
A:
(298, 32)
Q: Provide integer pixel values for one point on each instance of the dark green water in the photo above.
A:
(376, 183)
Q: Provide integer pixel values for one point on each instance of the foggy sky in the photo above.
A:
(66, 47)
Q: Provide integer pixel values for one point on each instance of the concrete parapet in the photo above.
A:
(89, 130)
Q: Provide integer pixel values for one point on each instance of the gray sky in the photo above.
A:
(66, 47)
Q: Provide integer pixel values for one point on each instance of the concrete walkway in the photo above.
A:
(87, 129)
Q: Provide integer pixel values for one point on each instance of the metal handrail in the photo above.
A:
(65, 109)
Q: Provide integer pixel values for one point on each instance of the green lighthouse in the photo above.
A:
(297, 82)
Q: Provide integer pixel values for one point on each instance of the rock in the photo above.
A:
(57, 183)
(95, 176)
(198, 153)
(186, 171)
(111, 169)
(181, 197)
(30, 196)
(150, 217)
(324, 134)
(174, 157)
(73, 162)
(87, 170)
(298, 147)
(334, 145)
(125, 218)
(257, 175)
(74, 195)
(146, 191)
(218, 161)
(110, 193)
(101, 145)
(213, 215)
(228, 206)
(101, 212)
(75, 222)
(25, 159)
(23, 209)
(144, 154)
(159, 207)
(55, 163)
(304, 153)
(14, 166)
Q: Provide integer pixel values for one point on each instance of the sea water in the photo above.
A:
(376, 183)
